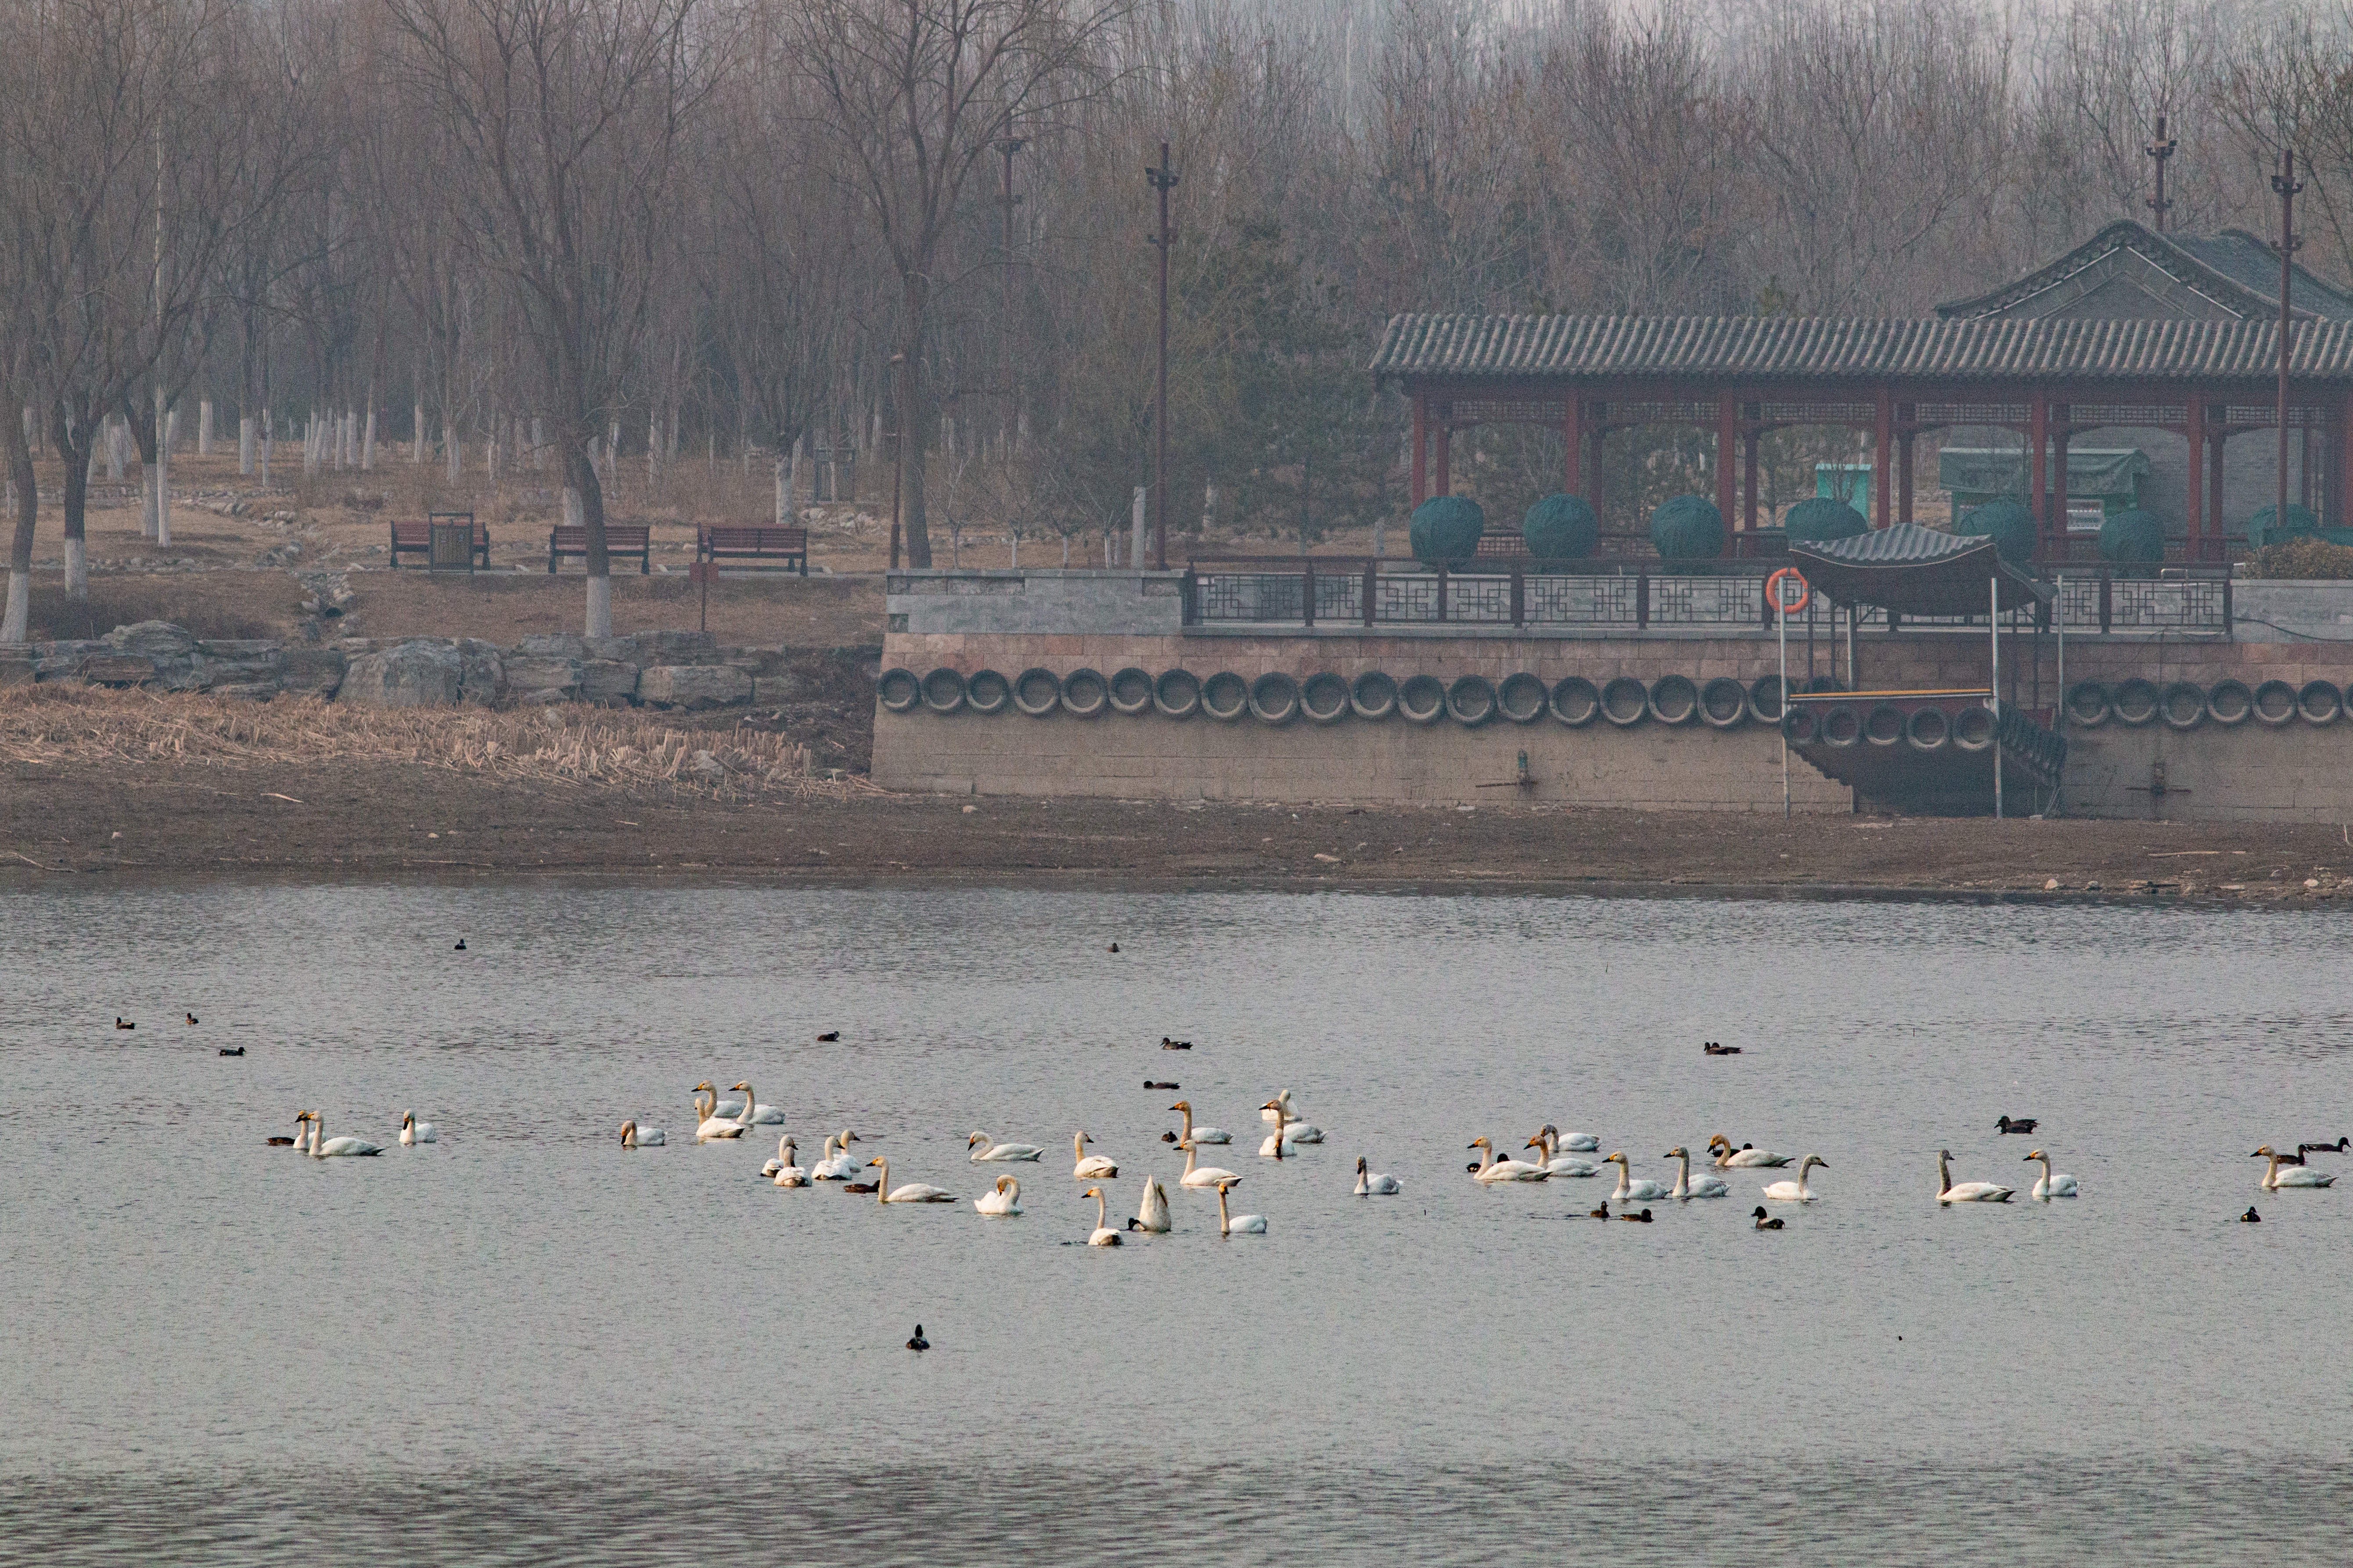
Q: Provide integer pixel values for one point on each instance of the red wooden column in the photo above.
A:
(2214, 528)
(1446, 449)
(1905, 413)
(1727, 456)
(2059, 479)
(1749, 472)
(2037, 440)
(1883, 423)
(1420, 449)
(2193, 520)
(1572, 437)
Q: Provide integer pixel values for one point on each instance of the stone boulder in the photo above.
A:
(530, 677)
(692, 686)
(158, 640)
(423, 673)
(118, 668)
(241, 662)
(483, 681)
(607, 681)
(316, 670)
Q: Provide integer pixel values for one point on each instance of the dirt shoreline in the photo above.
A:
(181, 821)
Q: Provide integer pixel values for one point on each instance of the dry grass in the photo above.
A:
(607, 747)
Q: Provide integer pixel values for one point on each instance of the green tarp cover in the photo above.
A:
(2094, 473)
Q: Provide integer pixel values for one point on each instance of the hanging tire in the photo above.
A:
(898, 691)
(2136, 702)
(2320, 703)
(1673, 700)
(1724, 703)
(2183, 706)
(2088, 704)
(986, 691)
(1575, 701)
(1841, 725)
(943, 691)
(1225, 697)
(1522, 697)
(1927, 729)
(1085, 694)
(1421, 700)
(1130, 692)
(1973, 730)
(1176, 694)
(1037, 692)
(1765, 703)
(1274, 698)
(1373, 696)
(1625, 702)
(1884, 725)
(1324, 698)
(2230, 702)
(1471, 700)
(1801, 725)
(1822, 685)
(2275, 703)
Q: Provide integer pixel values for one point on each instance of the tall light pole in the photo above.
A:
(1163, 180)
(2158, 151)
(2287, 185)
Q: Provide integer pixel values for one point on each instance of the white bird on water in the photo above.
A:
(636, 1137)
(1492, 1170)
(1004, 1200)
(837, 1165)
(1239, 1224)
(2046, 1185)
(1151, 1213)
(1728, 1158)
(1547, 1142)
(1797, 1192)
(1102, 1235)
(1968, 1192)
(787, 1173)
(1371, 1184)
(983, 1149)
(414, 1131)
(2294, 1176)
(325, 1148)
(1205, 1175)
(1684, 1188)
(1086, 1167)
(1193, 1134)
(1640, 1191)
(912, 1193)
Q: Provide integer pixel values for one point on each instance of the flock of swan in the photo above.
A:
(1556, 1156)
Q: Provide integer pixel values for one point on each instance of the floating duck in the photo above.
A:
(1601, 1212)
(232, 1050)
(1642, 1218)
(1711, 1048)
(829, 1036)
(1148, 1083)
(192, 1018)
(2250, 1217)
(121, 1023)
(2016, 1124)
(1168, 1045)
(919, 1343)
(461, 945)
(1763, 1222)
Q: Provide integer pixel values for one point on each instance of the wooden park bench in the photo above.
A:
(787, 546)
(416, 538)
(621, 539)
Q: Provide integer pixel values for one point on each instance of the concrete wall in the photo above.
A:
(1145, 602)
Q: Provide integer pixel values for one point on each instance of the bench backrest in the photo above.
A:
(421, 533)
(770, 538)
(624, 535)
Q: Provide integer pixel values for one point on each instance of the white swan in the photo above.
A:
(1278, 1144)
(414, 1131)
(1968, 1192)
(1640, 1191)
(1239, 1224)
(788, 1174)
(1492, 1170)
(1684, 1188)
(1277, 1109)
(1372, 1184)
(1102, 1235)
(1797, 1192)
(301, 1133)
(758, 1115)
(1279, 1112)
(1577, 1142)
(1086, 1167)
(636, 1137)
(2294, 1176)
(2047, 1185)
(1728, 1158)
(1004, 1200)
(982, 1149)
(1193, 1134)
(1151, 1213)
(837, 1165)
(783, 1157)
(1206, 1175)
(325, 1148)
(709, 1124)
(912, 1193)
(1547, 1142)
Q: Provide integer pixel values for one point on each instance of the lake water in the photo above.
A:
(524, 1345)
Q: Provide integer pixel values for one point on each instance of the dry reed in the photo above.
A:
(618, 748)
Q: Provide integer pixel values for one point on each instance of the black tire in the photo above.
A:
(1225, 697)
(1372, 696)
(2136, 702)
(1037, 692)
(2088, 704)
(943, 691)
(1801, 725)
(2319, 702)
(1841, 725)
(986, 691)
(1973, 730)
(1324, 698)
(2276, 703)
(1674, 699)
(1625, 702)
(1884, 725)
(1130, 692)
(2230, 702)
(899, 692)
(1421, 700)
(2183, 705)
(1822, 685)
(1274, 698)
(1575, 701)
(1927, 729)
(1085, 694)
(1724, 703)
(1176, 694)
(1765, 703)
(1522, 697)
(1471, 700)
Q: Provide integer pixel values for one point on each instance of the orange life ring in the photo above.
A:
(1773, 590)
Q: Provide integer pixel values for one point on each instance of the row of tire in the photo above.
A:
(1968, 727)
(1276, 698)
(2184, 705)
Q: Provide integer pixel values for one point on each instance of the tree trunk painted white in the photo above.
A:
(166, 416)
(148, 496)
(1135, 526)
(1066, 553)
(171, 428)
(1208, 506)
(538, 443)
(653, 449)
(600, 607)
(1015, 535)
(245, 446)
(784, 488)
(33, 429)
(613, 457)
(368, 441)
(452, 452)
(574, 515)
(20, 605)
(205, 427)
(491, 454)
(269, 442)
(118, 436)
(311, 443)
(77, 569)
(416, 434)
